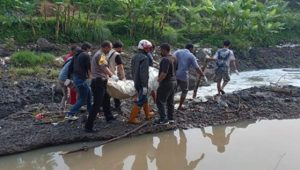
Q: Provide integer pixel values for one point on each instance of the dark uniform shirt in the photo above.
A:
(168, 65)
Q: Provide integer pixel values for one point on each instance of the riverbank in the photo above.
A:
(22, 98)
(20, 132)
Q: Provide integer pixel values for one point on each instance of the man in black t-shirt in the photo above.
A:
(80, 68)
(167, 85)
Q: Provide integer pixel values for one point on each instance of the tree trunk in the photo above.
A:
(32, 26)
(57, 22)
(45, 11)
(97, 13)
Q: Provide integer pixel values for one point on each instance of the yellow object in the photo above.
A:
(133, 119)
(102, 60)
(148, 115)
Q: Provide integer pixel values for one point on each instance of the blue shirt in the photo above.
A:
(186, 60)
(63, 74)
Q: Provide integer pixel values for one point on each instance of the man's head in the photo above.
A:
(226, 43)
(145, 45)
(165, 49)
(190, 47)
(74, 48)
(118, 46)
(86, 47)
(106, 46)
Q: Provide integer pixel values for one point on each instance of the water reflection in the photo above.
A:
(138, 153)
(218, 137)
(174, 157)
(134, 153)
(178, 150)
(36, 162)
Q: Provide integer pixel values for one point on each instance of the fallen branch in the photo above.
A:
(199, 80)
(281, 90)
(86, 148)
(48, 112)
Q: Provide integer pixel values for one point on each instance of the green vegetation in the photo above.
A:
(31, 59)
(207, 22)
(27, 63)
(34, 71)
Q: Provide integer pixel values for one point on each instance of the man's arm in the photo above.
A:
(107, 71)
(120, 67)
(165, 64)
(144, 72)
(88, 66)
(233, 62)
(199, 71)
(71, 68)
(196, 66)
(161, 77)
(121, 71)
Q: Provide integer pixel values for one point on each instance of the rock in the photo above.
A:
(4, 52)
(44, 45)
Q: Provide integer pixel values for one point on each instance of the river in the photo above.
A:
(259, 145)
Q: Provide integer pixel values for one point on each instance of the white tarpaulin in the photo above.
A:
(125, 89)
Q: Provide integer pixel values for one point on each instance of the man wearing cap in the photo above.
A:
(186, 60)
(140, 75)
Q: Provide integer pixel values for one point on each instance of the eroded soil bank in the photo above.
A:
(21, 132)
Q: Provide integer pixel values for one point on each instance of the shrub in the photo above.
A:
(170, 35)
(30, 59)
(118, 27)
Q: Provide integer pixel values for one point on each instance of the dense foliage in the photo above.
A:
(245, 22)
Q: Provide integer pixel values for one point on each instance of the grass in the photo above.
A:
(34, 71)
(31, 59)
(27, 63)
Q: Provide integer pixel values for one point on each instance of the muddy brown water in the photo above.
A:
(261, 145)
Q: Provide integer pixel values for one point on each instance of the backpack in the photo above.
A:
(223, 56)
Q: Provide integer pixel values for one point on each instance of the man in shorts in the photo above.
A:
(186, 60)
(224, 57)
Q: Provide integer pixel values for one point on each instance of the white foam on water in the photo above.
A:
(250, 79)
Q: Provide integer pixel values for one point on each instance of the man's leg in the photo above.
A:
(98, 93)
(153, 95)
(170, 101)
(65, 96)
(219, 87)
(117, 103)
(106, 105)
(89, 100)
(218, 79)
(226, 79)
(184, 90)
(73, 95)
(163, 92)
(133, 118)
(224, 84)
(82, 95)
(160, 102)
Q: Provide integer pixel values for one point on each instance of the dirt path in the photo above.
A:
(19, 132)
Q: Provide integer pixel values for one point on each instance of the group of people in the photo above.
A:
(107, 63)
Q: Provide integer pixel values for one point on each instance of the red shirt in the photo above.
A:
(68, 56)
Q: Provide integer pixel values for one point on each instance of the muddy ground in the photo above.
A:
(21, 132)
(15, 94)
